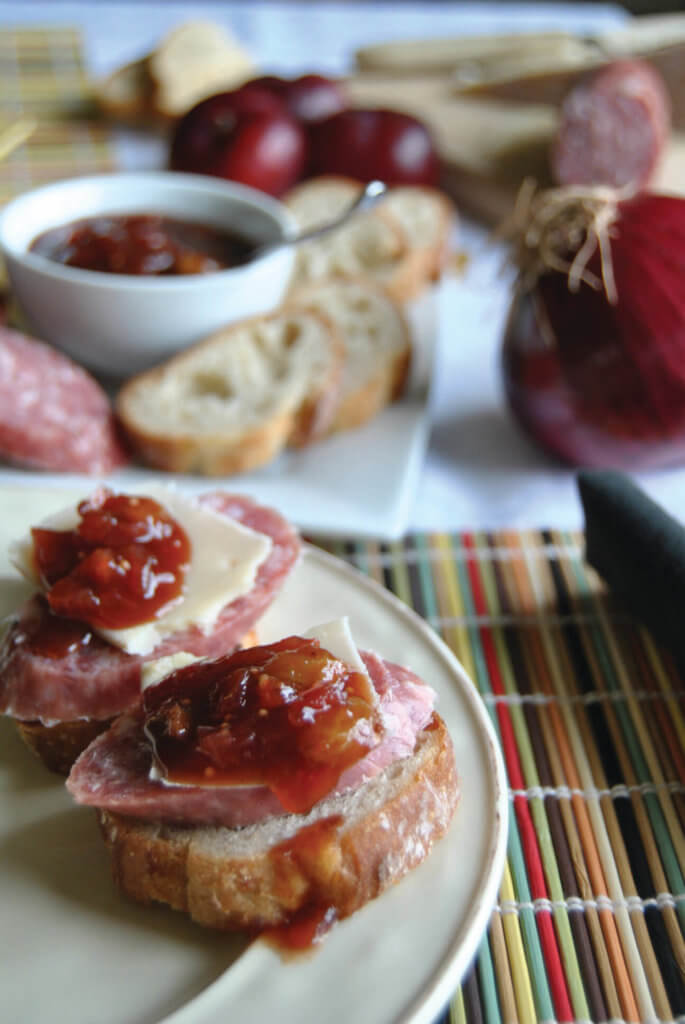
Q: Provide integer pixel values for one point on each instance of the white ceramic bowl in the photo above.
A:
(121, 324)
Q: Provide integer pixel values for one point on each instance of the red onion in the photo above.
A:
(593, 355)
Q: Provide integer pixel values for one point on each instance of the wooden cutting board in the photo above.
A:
(488, 146)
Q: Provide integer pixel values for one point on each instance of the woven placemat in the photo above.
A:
(42, 75)
(589, 711)
(591, 718)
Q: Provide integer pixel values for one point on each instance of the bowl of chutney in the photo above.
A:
(122, 270)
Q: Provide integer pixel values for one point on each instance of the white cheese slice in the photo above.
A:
(336, 638)
(224, 562)
(152, 672)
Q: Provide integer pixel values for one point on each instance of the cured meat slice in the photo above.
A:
(94, 679)
(113, 772)
(53, 414)
(614, 126)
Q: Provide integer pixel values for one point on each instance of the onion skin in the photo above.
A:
(601, 384)
(562, 403)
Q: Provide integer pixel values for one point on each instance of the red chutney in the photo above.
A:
(310, 924)
(121, 566)
(287, 715)
(142, 244)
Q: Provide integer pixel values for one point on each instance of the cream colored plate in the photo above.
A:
(75, 950)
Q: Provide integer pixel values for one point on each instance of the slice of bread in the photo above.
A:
(377, 344)
(232, 402)
(321, 200)
(371, 245)
(258, 876)
(126, 94)
(58, 745)
(195, 60)
(405, 256)
(427, 218)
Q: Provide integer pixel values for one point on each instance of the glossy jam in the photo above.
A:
(583, 402)
(50, 636)
(312, 922)
(142, 245)
(287, 715)
(121, 566)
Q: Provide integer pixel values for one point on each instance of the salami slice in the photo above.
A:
(113, 772)
(614, 127)
(53, 414)
(94, 679)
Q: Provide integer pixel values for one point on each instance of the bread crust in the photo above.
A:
(386, 365)
(434, 252)
(424, 247)
(59, 745)
(162, 85)
(379, 391)
(225, 452)
(259, 877)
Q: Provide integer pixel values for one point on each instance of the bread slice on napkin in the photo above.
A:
(232, 402)
(377, 344)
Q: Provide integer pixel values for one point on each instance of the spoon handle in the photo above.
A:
(367, 198)
(370, 194)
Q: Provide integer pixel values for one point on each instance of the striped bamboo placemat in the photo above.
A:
(42, 76)
(591, 717)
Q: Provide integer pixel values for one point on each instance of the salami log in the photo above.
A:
(614, 126)
(53, 414)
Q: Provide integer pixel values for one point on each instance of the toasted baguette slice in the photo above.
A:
(256, 877)
(196, 59)
(232, 402)
(58, 745)
(377, 345)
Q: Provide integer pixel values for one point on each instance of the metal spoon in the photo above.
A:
(367, 198)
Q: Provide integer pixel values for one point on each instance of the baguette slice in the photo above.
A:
(377, 345)
(257, 877)
(321, 200)
(371, 245)
(424, 217)
(58, 745)
(195, 60)
(126, 94)
(427, 218)
(232, 402)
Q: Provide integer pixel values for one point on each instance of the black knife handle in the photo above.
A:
(639, 551)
